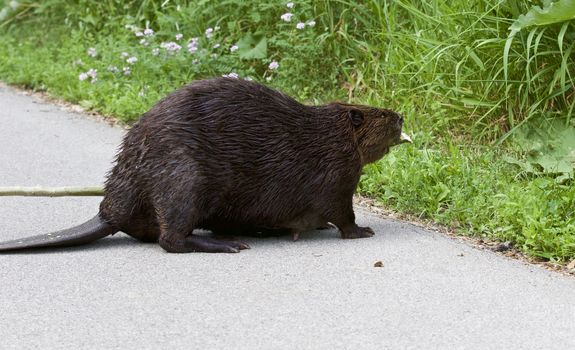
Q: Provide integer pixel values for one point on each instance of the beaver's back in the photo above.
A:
(251, 151)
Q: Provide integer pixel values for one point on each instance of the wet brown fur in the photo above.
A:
(227, 153)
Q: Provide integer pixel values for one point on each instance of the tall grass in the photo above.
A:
(456, 54)
(451, 55)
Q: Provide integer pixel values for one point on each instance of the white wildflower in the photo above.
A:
(124, 54)
(92, 52)
(144, 42)
(139, 34)
(216, 46)
(290, 5)
(300, 25)
(127, 70)
(148, 32)
(113, 69)
(179, 36)
(155, 51)
(209, 32)
(286, 17)
(231, 75)
(171, 47)
(92, 73)
(193, 45)
(269, 79)
(132, 60)
(274, 65)
(311, 23)
(234, 48)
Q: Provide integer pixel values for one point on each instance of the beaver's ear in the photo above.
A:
(356, 117)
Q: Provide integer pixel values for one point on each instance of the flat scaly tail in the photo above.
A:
(89, 231)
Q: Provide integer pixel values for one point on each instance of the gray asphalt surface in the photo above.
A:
(318, 293)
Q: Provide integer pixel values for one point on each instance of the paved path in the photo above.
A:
(318, 293)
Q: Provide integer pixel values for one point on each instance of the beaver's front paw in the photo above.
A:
(357, 232)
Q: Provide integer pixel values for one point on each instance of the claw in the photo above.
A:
(405, 138)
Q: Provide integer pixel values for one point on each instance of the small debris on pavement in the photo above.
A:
(378, 264)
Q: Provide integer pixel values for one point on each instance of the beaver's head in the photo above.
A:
(376, 130)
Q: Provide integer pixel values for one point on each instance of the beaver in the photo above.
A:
(234, 156)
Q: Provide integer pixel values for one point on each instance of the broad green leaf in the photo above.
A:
(550, 147)
(253, 46)
(553, 12)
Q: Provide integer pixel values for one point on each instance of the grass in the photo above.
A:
(469, 89)
(472, 190)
